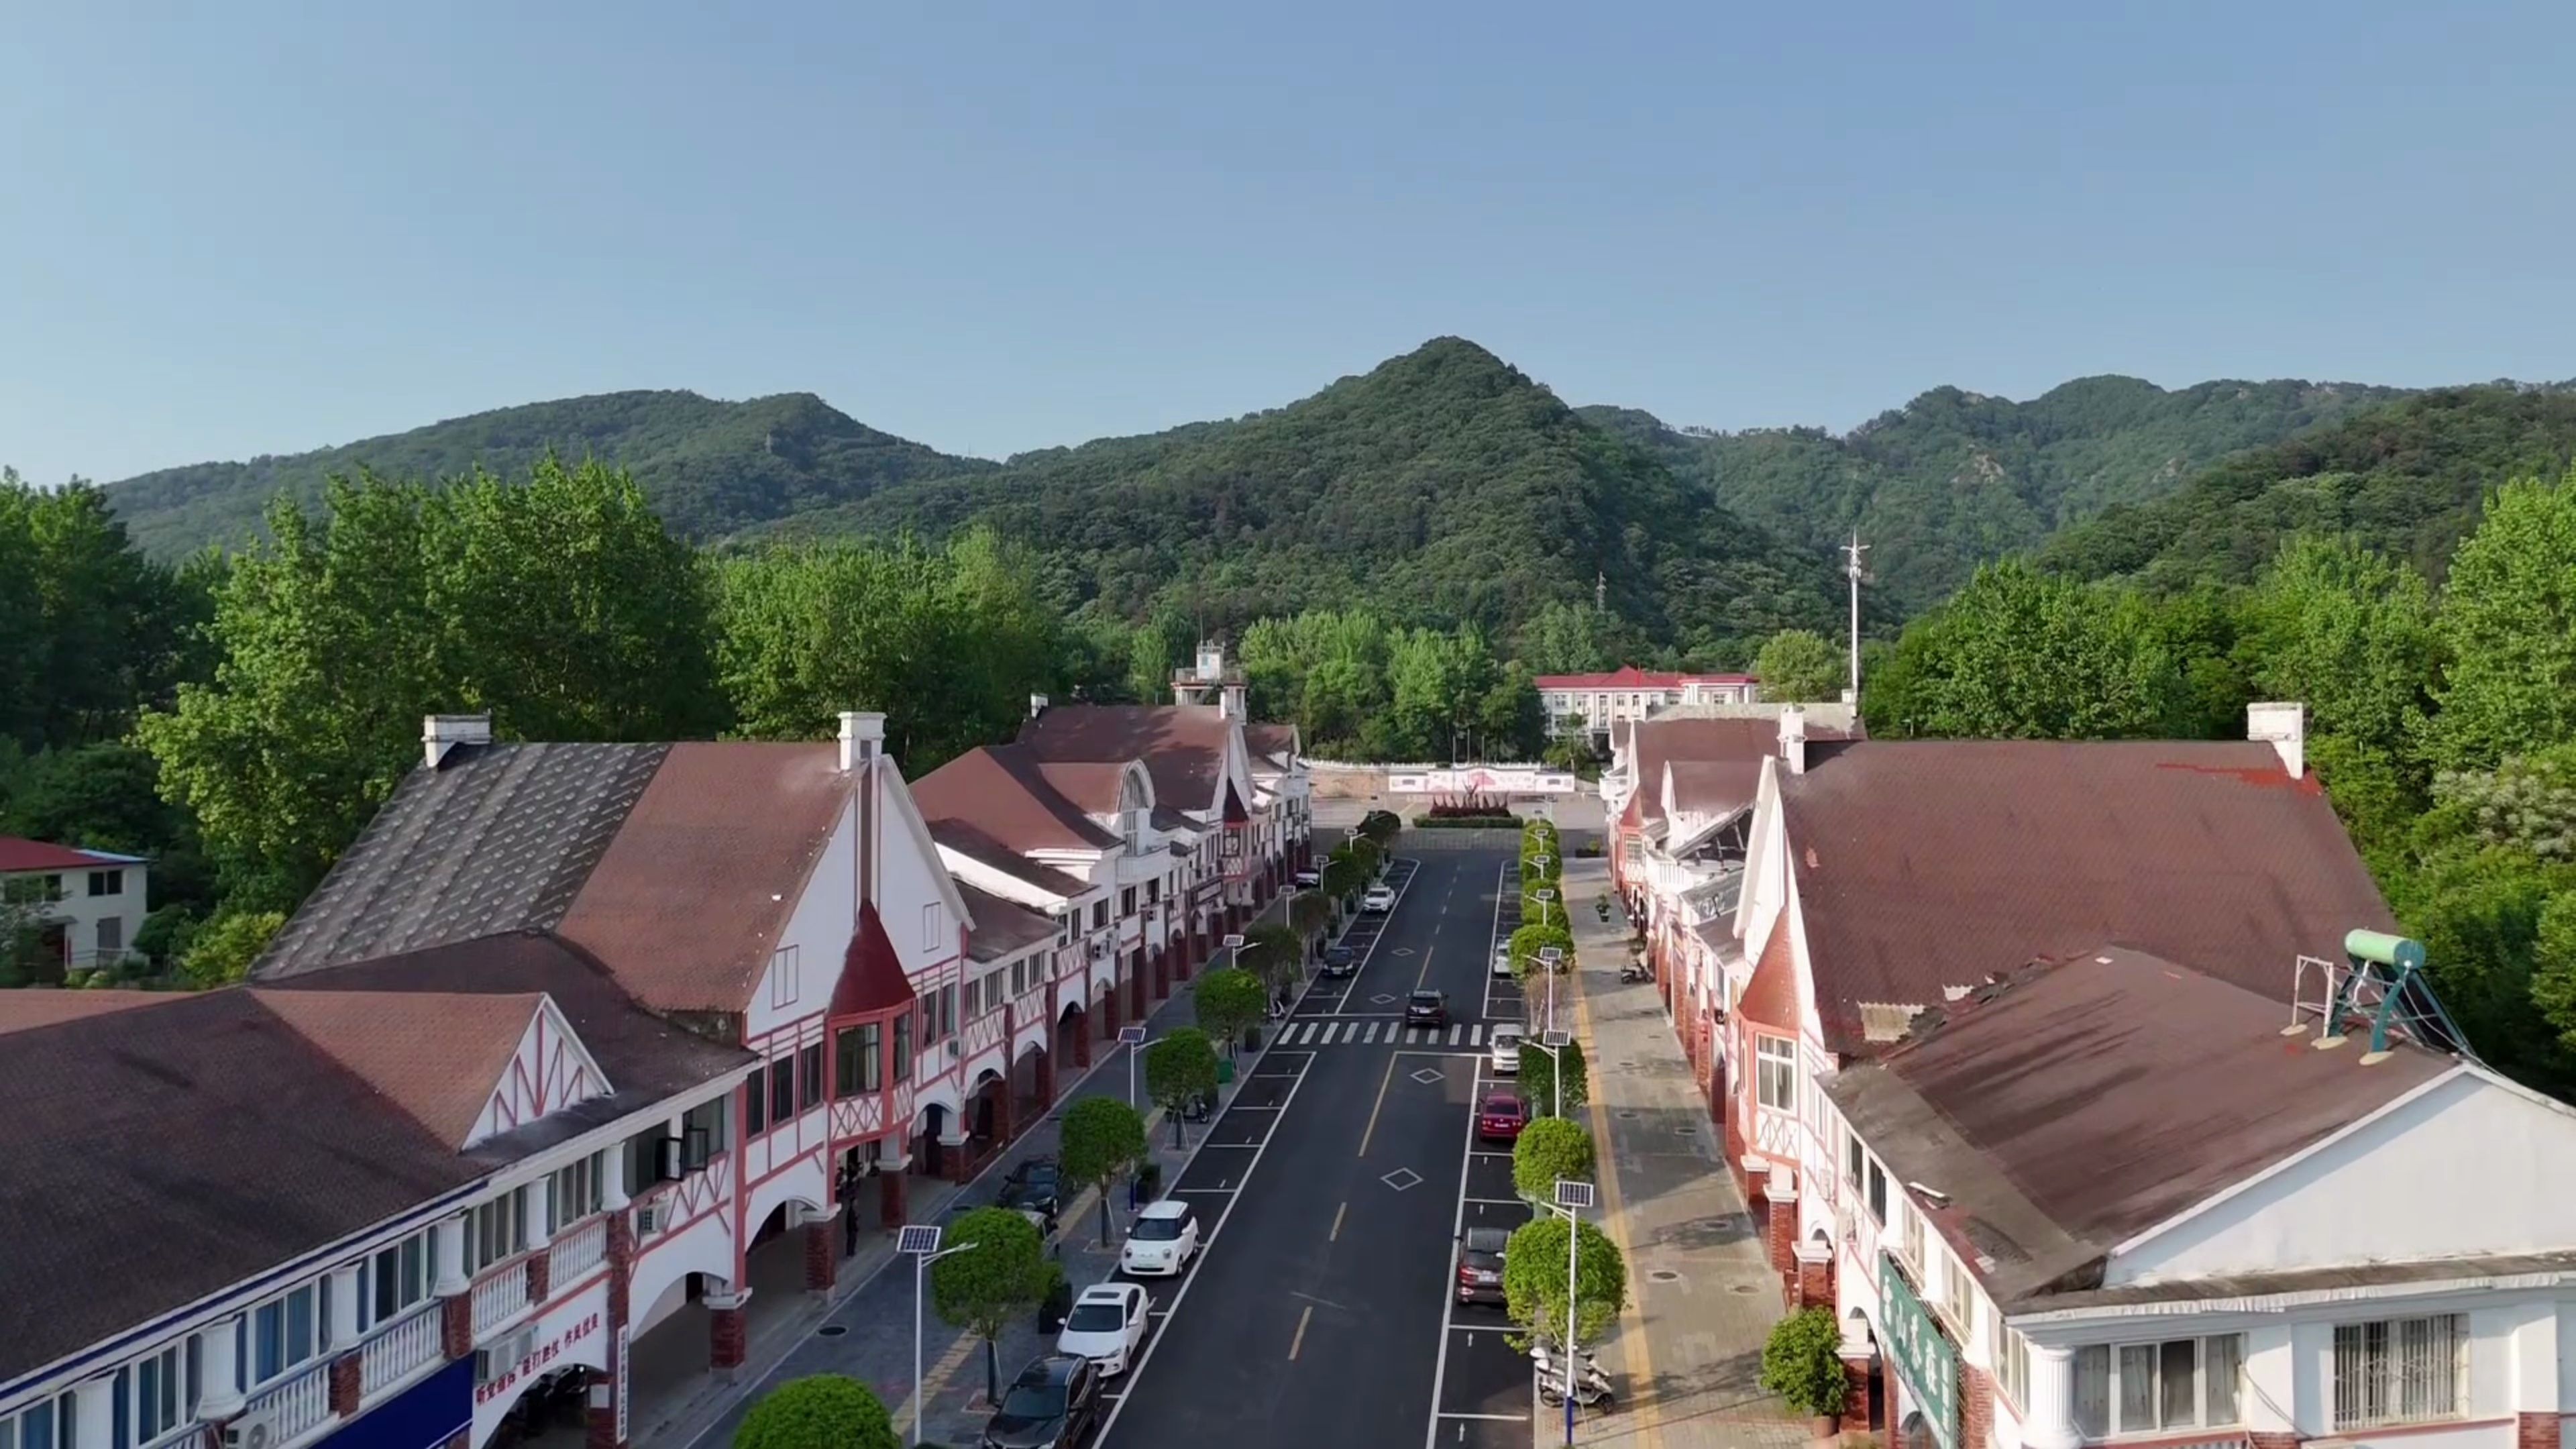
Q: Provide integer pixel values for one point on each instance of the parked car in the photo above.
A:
(1308, 879)
(1427, 1008)
(1053, 1404)
(1035, 1186)
(1480, 1265)
(1501, 1118)
(1107, 1326)
(1377, 900)
(1503, 959)
(1164, 1239)
(1504, 1056)
(1340, 961)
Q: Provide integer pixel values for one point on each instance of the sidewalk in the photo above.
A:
(1687, 1357)
(865, 1329)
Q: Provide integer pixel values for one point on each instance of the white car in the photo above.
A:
(1306, 880)
(1106, 1326)
(1377, 900)
(1502, 960)
(1164, 1239)
(1505, 1055)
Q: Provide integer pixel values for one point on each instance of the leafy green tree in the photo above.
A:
(2508, 627)
(1802, 1362)
(1308, 913)
(1800, 665)
(1539, 1085)
(1550, 1150)
(1565, 638)
(1099, 1140)
(824, 1411)
(999, 1278)
(1180, 1067)
(223, 948)
(1276, 954)
(2020, 655)
(1158, 647)
(1528, 941)
(1229, 1000)
(2553, 983)
(1534, 1281)
(1510, 722)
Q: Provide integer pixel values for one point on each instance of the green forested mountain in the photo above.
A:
(1443, 485)
(709, 467)
(1954, 478)
(2408, 481)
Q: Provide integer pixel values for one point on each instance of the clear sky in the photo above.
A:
(990, 228)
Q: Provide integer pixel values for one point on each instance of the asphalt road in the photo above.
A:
(1321, 1312)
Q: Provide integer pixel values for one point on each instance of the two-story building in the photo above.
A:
(1594, 703)
(2114, 1200)
(85, 906)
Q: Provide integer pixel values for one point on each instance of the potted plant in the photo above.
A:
(1803, 1364)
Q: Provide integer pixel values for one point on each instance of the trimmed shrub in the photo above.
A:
(1802, 1362)
(826, 1411)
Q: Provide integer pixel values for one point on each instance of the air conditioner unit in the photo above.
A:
(651, 1216)
(503, 1354)
(953, 1048)
(251, 1431)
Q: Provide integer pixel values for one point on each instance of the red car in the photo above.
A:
(1501, 1118)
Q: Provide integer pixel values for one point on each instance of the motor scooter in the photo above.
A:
(1591, 1390)
(1636, 971)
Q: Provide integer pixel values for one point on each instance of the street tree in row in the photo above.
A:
(1275, 953)
(1539, 1083)
(1100, 1140)
(1001, 1274)
(824, 1411)
(1229, 1000)
(1802, 1363)
(1534, 1282)
(1550, 1150)
(1529, 940)
(1180, 1067)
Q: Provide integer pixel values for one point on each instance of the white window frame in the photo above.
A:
(576, 1192)
(2011, 1354)
(784, 969)
(401, 1266)
(318, 1294)
(1775, 1057)
(144, 1424)
(2446, 1345)
(57, 1412)
(930, 926)
(2113, 1362)
(496, 1230)
(1958, 1295)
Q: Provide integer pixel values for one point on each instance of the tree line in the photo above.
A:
(2442, 722)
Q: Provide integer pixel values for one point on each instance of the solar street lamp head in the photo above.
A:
(1234, 942)
(1572, 1195)
(1556, 1041)
(1131, 1036)
(921, 1240)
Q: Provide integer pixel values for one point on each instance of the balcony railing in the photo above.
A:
(500, 1296)
(395, 1353)
(295, 1407)
(576, 1253)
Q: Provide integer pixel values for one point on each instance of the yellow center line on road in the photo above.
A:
(1335, 1235)
(1383, 1083)
(1299, 1341)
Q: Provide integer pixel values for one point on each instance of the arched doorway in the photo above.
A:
(1032, 1083)
(929, 1154)
(988, 1108)
(1073, 1035)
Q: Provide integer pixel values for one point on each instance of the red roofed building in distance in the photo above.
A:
(86, 905)
(1591, 702)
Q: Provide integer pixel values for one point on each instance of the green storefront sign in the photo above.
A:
(1923, 1354)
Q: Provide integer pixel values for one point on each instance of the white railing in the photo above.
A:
(395, 1353)
(295, 1407)
(576, 1253)
(500, 1297)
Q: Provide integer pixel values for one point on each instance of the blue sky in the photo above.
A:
(995, 228)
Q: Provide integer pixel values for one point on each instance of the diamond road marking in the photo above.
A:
(1426, 1076)
(1402, 951)
(1402, 1178)
(1382, 998)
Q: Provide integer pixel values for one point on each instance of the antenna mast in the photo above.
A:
(1600, 592)
(1851, 553)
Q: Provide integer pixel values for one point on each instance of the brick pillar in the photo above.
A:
(822, 1265)
(890, 1197)
(1781, 1192)
(1046, 1079)
(601, 1422)
(1002, 1129)
(348, 1385)
(1081, 1044)
(1181, 962)
(1108, 1015)
(1162, 973)
(1860, 1399)
(1136, 990)
(727, 1333)
(1815, 1275)
(2293, 1441)
(2535, 1431)
(456, 1326)
(1976, 1408)
(541, 1270)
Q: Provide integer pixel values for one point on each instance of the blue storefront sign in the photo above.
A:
(424, 1416)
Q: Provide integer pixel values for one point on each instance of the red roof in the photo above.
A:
(1629, 676)
(872, 976)
(17, 854)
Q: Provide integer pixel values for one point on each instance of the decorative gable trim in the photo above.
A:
(891, 789)
(551, 1070)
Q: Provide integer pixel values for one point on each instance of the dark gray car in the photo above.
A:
(1480, 1265)
(1053, 1404)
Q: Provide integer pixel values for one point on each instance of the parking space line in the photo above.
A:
(1448, 1294)
(1336, 1234)
(1498, 1202)
(1480, 1152)
(1502, 1418)
(1299, 1341)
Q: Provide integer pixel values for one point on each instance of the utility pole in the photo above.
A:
(1852, 552)
(1600, 592)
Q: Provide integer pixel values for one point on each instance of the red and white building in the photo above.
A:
(1594, 703)
(87, 906)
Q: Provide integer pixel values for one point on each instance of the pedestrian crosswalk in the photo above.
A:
(1460, 1034)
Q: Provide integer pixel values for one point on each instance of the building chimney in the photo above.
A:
(1231, 704)
(440, 733)
(1793, 739)
(2285, 728)
(1037, 705)
(862, 737)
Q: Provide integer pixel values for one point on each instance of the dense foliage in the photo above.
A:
(1534, 1280)
(1802, 1362)
(1228, 1001)
(1003, 1273)
(1550, 1150)
(825, 1411)
(1358, 688)
(1100, 1139)
(1180, 1067)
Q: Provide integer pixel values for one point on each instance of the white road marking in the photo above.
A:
(1372, 1030)
(1504, 1418)
(1456, 1030)
(1448, 1294)
(1490, 1201)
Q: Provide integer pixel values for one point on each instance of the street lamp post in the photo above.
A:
(922, 1243)
(1132, 1038)
(1554, 1044)
(1551, 960)
(1571, 1197)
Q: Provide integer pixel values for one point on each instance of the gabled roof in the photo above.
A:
(1094, 787)
(1713, 787)
(170, 1150)
(1183, 745)
(2079, 1104)
(1003, 929)
(1657, 743)
(27, 1010)
(690, 896)
(984, 850)
(1927, 864)
(437, 1056)
(19, 854)
(1277, 742)
(1004, 794)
